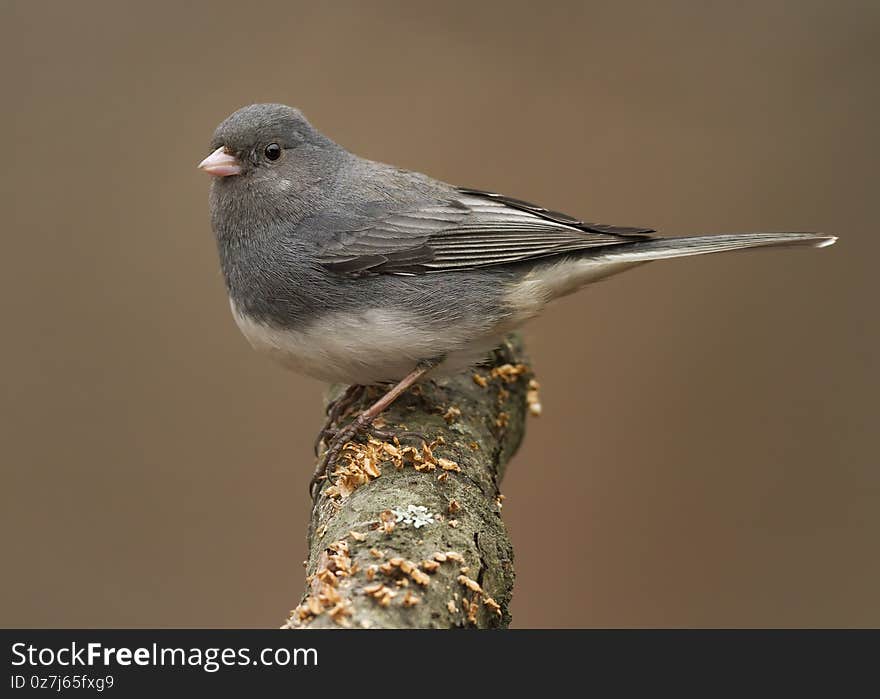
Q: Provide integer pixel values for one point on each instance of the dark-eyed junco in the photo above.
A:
(353, 271)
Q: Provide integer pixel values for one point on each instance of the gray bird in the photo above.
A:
(358, 272)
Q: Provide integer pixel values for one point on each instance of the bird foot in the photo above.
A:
(338, 438)
(335, 411)
(363, 421)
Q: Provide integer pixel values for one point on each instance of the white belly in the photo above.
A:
(367, 347)
(376, 345)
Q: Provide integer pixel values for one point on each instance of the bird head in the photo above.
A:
(266, 158)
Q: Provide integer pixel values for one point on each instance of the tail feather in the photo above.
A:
(564, 274)
(669, 248)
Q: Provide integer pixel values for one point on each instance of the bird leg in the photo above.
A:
(335, 411)
(364, 420)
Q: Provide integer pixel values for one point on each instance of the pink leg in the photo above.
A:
(364, 420)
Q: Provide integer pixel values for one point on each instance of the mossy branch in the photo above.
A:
(408, 535)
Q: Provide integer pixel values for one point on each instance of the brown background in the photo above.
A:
(708, 450)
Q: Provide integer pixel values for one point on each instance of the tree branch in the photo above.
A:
(409, 535)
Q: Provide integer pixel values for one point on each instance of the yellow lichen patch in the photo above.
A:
(450, 605)
(509, 373)
(429, 566)
(387, 521)
(502, 420)
(338, 547)
(323, 575)
(480, 380)
(410, 600)
(533, 400)
(357, 465)
(499, 501)
(376, 553)
(314, 606)
(340, 612)
(392, 450)
(371, 467)
(452, 414)
(492, 604)
(338, 559)
(407, 568)
(381, 593)
(422, 465)
(421, 459)
(371, 572)
(453, 507)
(471, 608)
(299, 616)
(419, 577)
(448, 465)
(360, 463)
(442, 476)
(334, 564)
(329, 595)
(409, 455)
(453, 523)
(357, 536)
(428, 454)
(470, 584)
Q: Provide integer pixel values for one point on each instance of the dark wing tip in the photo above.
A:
(557, 216)
(616, 230)
(354, 265)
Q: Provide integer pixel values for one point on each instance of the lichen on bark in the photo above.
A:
(406, 534)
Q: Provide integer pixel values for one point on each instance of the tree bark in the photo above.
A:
(408, 534)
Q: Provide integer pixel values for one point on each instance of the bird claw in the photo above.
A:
(339, 439)
(362, 422)
(335, 410)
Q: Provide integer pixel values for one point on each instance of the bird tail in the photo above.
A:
(669, 248)
(557, 278)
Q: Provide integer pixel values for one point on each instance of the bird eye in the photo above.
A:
(273, 151)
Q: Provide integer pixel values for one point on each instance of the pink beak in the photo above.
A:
(221, 164)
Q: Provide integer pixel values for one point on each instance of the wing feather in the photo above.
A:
(473, 229)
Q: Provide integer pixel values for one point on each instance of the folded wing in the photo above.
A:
(472, 229)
